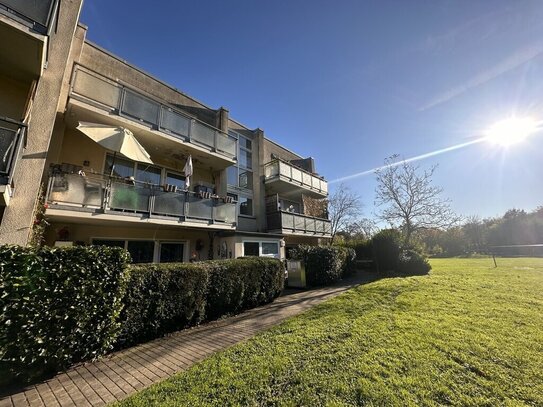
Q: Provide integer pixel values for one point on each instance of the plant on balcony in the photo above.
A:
(39, 225)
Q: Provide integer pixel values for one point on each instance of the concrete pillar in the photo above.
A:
(259, 193)
(18, 216)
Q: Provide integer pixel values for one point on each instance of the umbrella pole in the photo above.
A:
(113, 164)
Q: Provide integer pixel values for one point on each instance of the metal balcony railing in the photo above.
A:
(135, 106)
(98, 192)
(279, 169)
(297, 223)
(37, 14)
(12, 140)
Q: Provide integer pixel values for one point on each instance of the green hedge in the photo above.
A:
(325, 264)
(243, 283)
(162, 298)
(58, 306)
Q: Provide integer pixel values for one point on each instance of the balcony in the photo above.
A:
(282, 177)
(298, 224)
(95, 197)
(156, 125)
(12, 139)
(37, 15)
(24, 27)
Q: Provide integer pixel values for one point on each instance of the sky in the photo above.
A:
(351, 83)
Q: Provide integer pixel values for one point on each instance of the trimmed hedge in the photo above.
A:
(163, 298)
(59, 306)
(325, 264)
(65, 305)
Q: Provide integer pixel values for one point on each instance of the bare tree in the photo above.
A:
(363, 228)
(410, 199)
(344, 206)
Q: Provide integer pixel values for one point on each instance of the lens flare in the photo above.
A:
(511, 131)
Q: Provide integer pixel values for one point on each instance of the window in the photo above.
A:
(270, 249)
(240, 175)
(245, 159)
(175, 179)
(123, 168)
(146, 173)
(232, 176)
(142, 251)
(245, 179)
(264, 249)
(289, 206)
(171, 252)
(251, 249)
(245, 204)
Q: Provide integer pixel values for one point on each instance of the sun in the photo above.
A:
(511, 131)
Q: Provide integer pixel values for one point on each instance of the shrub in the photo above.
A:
(325, 264)
(412, 262)
(162, 298)
(386, 249)
(243, 283)
(59, 306)
(363, 249)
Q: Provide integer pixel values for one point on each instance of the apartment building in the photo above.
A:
(247, 194)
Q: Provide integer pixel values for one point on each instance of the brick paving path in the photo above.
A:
(123, 373)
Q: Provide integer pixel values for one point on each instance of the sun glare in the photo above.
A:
(511, 131)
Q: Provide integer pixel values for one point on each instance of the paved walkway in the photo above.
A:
(125, 372)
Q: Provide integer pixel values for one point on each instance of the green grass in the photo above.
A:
(466, 335)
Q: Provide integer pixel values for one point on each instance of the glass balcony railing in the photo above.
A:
(97, 192)
(135, 106)
(37, 13)
(278, 169)
(288, 222)
(12, 135)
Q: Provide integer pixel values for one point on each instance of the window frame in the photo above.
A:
(238, 166)
(260, 242)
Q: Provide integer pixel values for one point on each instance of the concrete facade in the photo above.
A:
(84, 83)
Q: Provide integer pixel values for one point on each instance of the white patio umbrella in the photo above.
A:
(117, 139)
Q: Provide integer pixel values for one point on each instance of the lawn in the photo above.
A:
(467, 334)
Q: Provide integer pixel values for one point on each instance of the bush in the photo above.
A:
(363, 249)
(325, 264)
(59, 306)
(386, 249)
(163, 298)
(412, 262)
(243, 283)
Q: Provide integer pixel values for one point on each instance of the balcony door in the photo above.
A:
(171, 252)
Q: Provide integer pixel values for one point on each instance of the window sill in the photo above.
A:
(247, 216)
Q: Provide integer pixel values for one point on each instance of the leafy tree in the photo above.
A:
(409, 198)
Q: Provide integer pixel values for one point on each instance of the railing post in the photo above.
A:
(107, 192)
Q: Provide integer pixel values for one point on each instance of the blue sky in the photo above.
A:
(353, 82)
